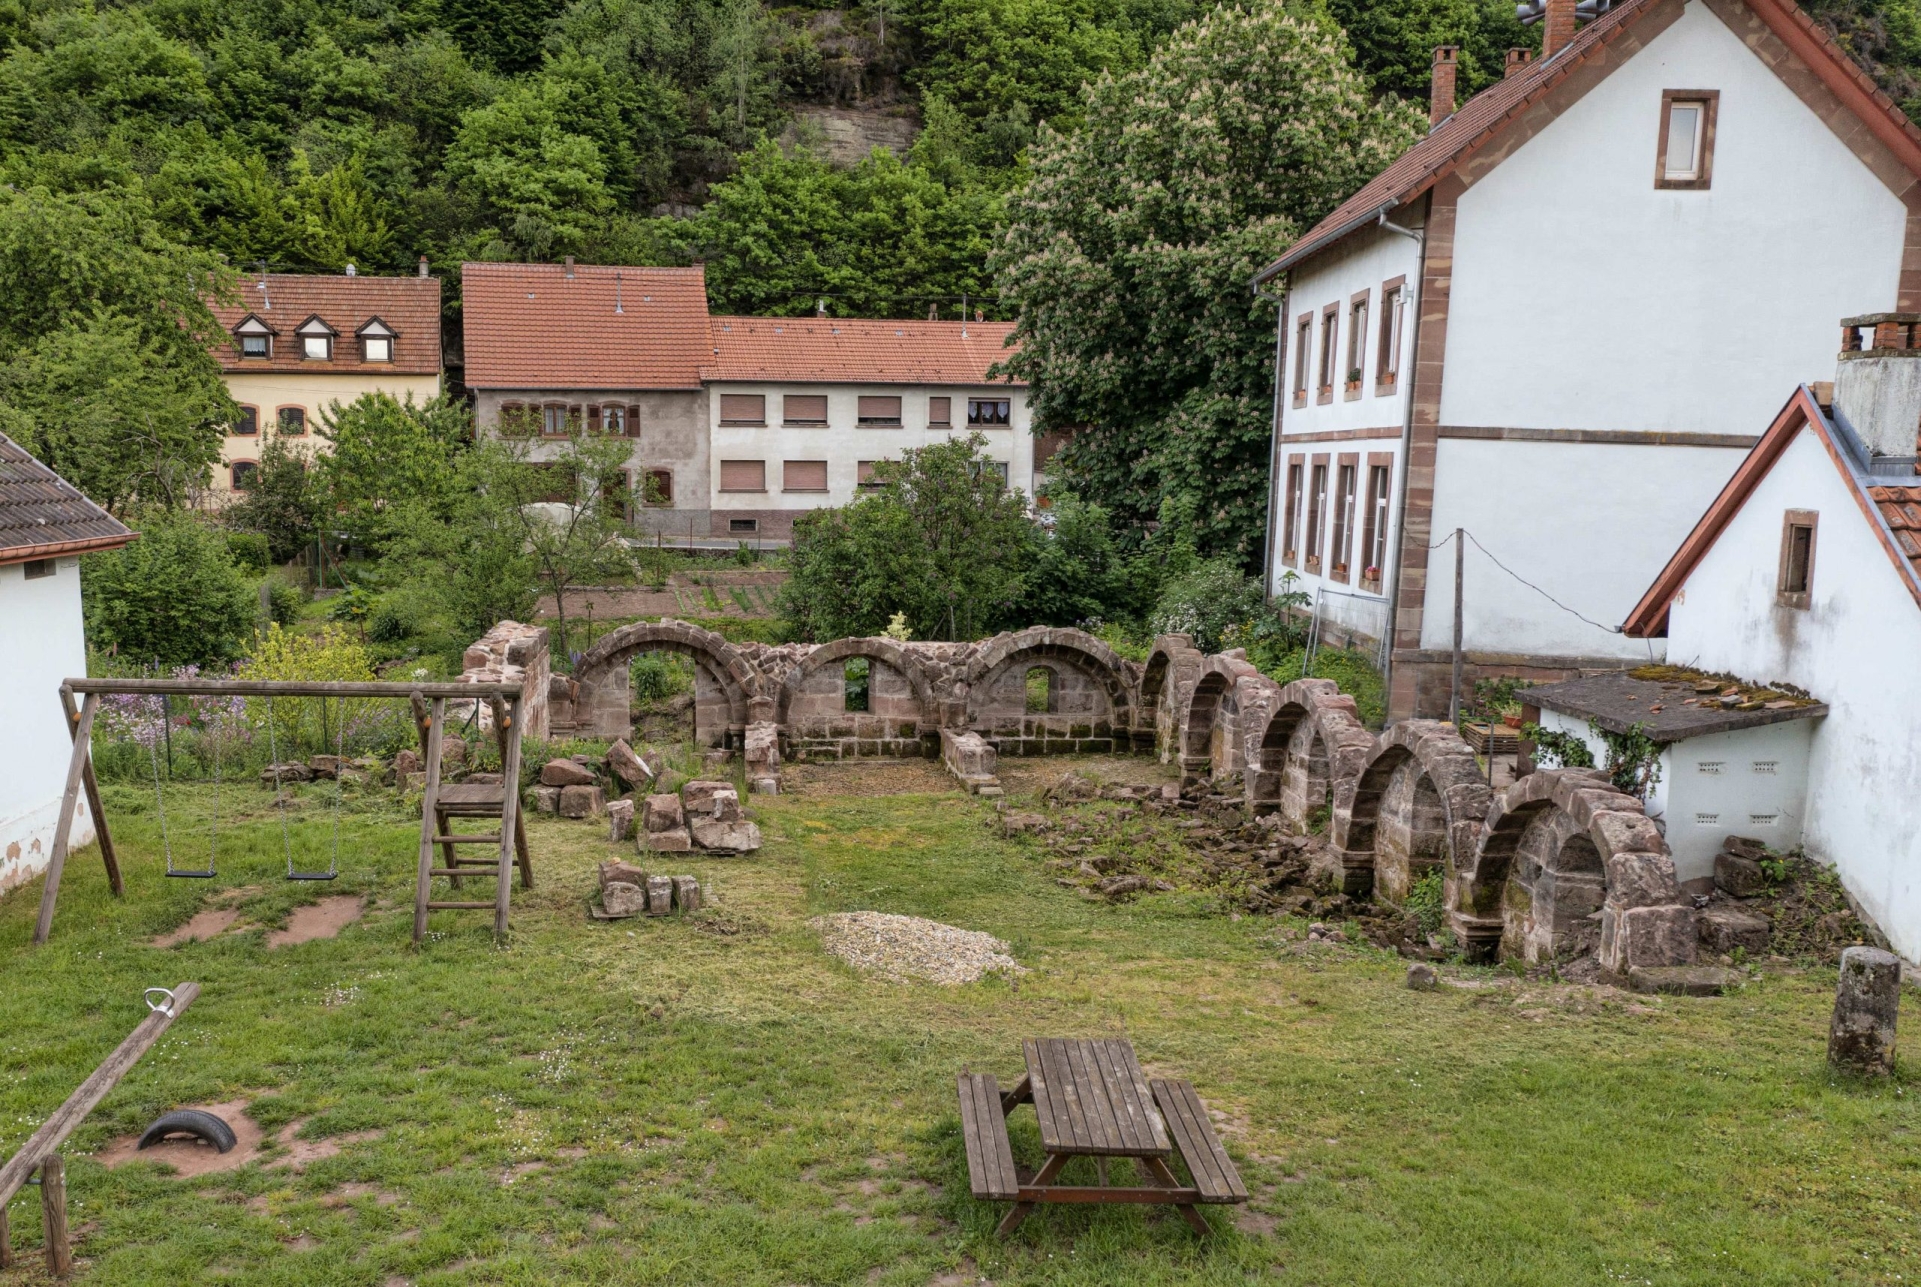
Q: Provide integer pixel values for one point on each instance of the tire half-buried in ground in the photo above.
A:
(190, 1121)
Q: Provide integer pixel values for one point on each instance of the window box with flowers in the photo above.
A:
(1371, 578)
(1353, 386)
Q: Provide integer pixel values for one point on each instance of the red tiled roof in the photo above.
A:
(42, 515)
(1489, 112)
(532, 326)
(1901, 509)
(410, 306)
(846, 350)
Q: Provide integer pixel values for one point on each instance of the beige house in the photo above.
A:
(296, 344)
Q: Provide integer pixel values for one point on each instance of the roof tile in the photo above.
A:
(410, 306)
(548, 326)
(856, 350)
(42, 515)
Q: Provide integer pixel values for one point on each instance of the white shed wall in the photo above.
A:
(44, 642)
(1854, 648)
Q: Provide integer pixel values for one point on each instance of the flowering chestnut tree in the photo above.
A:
(1128, 251)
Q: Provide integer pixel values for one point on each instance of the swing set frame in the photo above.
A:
(429, 702)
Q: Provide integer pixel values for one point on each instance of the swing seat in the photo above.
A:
(293, 875)
(208, 874)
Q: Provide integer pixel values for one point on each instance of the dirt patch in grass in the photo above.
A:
(867, 778)
(204, 925)
(190, 1157)
(300, 1152)
(324, 919)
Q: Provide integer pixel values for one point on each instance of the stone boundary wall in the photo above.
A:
(508, 653)
(1558, 865)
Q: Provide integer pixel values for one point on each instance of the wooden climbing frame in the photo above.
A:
(429, 703)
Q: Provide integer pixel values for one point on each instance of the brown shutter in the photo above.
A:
(660, 487)
(743, 475)
(864, 472)
(743, 409)
(882, 411)
(804, 476)
(633, 422)
(804, 409)
(940, 411)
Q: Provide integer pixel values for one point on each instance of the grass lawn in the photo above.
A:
(663, 1102)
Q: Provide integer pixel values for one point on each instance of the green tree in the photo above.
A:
(386, 455)
(105, 372)
(172, 598)
(1079, 574)
(883, 238)
(280, 502)
(1128, 252)
(941, 540)
(541, 183)
(1394, 43)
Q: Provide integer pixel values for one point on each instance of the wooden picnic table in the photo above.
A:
(1093, 1100)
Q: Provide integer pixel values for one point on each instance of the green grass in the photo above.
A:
(707, 1107)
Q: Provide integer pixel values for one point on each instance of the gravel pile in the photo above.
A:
(911, 947)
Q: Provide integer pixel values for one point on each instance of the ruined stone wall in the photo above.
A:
(512, 652)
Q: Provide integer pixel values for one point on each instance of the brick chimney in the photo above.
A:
(423, 265)
(1440, 89)
(1518, 60)
(1557, 28)
(1877, 386)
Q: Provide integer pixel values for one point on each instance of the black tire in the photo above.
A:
(190, 1121)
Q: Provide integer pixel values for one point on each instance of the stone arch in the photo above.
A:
(1567, 864)
(1167, 685)
(1212, 740)
(730, 698)
(1416, 804)
(903, 714)
(1311, 739)
(1095, 686)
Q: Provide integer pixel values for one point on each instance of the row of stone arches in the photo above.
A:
(1559, 865)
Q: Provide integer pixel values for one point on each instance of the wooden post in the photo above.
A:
(429, 819)
(509, 815)
(421, 720)
(63, 829)
(53, 1216)
(107, 854)
(54, 1131)
(6, 1240)
(1454, 690)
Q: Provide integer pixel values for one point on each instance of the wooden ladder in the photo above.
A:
(510, 840)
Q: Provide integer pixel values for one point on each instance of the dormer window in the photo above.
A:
(316, 340)
(254, 337)
(376, 341)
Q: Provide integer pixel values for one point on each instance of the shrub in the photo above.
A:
(389, 623)
(250, 551)
(284, 601)
(172, 598)
(658, 675)
(1206, 602)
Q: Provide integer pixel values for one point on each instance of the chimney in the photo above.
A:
(570, 266)
(1558, 27)
(1440, 89)
(350, 268)
(820, 308)
(1877, 388)
(1518, 60)
(423, 265)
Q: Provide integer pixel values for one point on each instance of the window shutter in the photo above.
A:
(940, 411)
(633, 422)
(864, 472)
(743, 475)
(804, 476)
(882, 411)
(743, 409)
(804, 409)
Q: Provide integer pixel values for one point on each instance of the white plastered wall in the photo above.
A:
(1854, 647)
(1363, 262)
(44, 642)
(1585, 298)
(843, 443)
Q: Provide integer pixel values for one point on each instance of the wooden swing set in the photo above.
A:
(439, 805)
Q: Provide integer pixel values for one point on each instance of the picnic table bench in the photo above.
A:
(1092, 1100)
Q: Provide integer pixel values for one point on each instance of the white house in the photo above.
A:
(45, 526)
(1555, 323)
(802, 408)
(1806, 570)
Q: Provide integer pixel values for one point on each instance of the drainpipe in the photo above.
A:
(1273, 442)
(1410, 297)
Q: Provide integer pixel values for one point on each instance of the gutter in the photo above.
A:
(1302, 251)
(31, 553)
